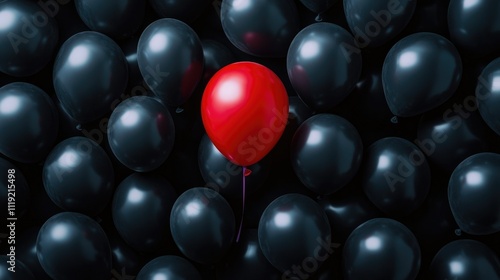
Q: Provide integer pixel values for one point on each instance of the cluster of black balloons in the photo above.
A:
(388, 167)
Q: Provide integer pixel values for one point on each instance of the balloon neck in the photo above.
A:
(319, 18)
(247, 172)
(179, 110)
(394, 119)
(79, 127)
(458, 232)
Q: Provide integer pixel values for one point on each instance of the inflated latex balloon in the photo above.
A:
(396, 176)
(294, 219)
(13, 188)
(244, 111)
(170, 59)
(260, 27)
(73, 246)
(225, 177)
(488, 95)
(169, 267)
(141, 133)
(246, 261)
(202, 225)
(420, 72)
(374, 23)
(185, 10)
(474, 26)
(19, 271)
(446, 138)
(78, 176)
(318, 6)
(465, 259)
(29, 121)
(323, 64)
(115, 18)
(474, 194)
(141, 211)
(90, 73)
(326, 153)
(28, 37)
(381, 248)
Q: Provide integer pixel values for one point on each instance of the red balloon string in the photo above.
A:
(245, 173)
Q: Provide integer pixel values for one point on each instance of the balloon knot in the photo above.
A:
(247, 172)
(318, 18)
(394, 119)
(458, 232)
(179, 110)
(79, 127)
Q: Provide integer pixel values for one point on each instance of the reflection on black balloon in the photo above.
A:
(73, 246)
(21, 271)
(169, 267)
(29, 121)
(381, 249)
(488, 94)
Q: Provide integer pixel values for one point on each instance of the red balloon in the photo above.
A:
(245, 111)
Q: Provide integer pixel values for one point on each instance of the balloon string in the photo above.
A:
(244, 174)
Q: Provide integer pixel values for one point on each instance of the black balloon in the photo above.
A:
(90, 73)
(318, 47)
(19, 270)
(396, 176)
(28, 37)
(202, 225)
(185, 10)
(141, 133)
(169, 267)
(374, 23)
(73, 246)
(26, 252)
(447, 138)
(318, 6)
(116, 18)
(28, 121)
(216, 56)
(260, 27)
(381, 249)
(465, 259)
(295, 219)
(78, 176)
(488, 94)
(474, 194)
(141, 211)
(246, 261)
(345, 213)
(225, 177)
(420, 72)
(474, 26)
(326, 153)
(14, 189)
(170, 58)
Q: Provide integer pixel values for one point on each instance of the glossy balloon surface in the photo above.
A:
(69, 243)
(115, 18)
(326, 153)
(141, 211)
(28, 37)
(474, 26)
(420, 72)
(294, 219)
(260, 27)
(488, 94)
(323, 64)
(170, 58)
(169, 267)
(474, 194)
(202, 225)
(150, 124)
(381, 248)
(78, 176)
(244, 111)
(29, 121)
(396, 176)
(89, 56)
